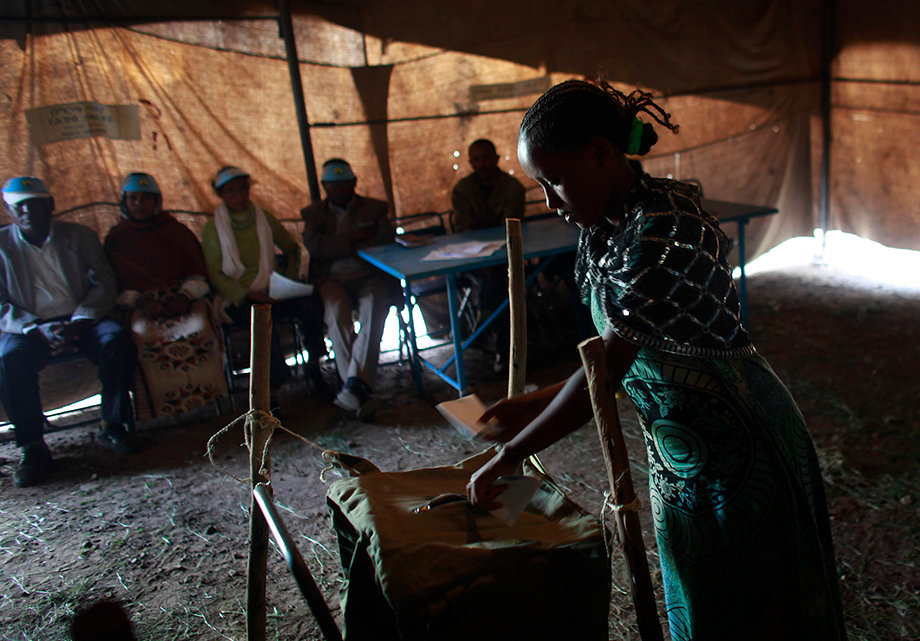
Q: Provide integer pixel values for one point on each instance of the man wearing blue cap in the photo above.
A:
(162, 285)
(56, 288)
(334, 230)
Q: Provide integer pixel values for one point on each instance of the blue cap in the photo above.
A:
(337, 171)
(139, 182)
(227, 174)
(22, 188)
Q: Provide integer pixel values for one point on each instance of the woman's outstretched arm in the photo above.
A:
(569, 409)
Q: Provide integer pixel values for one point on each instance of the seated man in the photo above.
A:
(485, 198)
(334, 230)
(239, 249)
(162, 284)
(56, 288)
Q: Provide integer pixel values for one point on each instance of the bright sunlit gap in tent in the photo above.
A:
(849, 255)
(389, 343)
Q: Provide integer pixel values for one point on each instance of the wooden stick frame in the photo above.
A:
(298, 567)
(263, 518)
(517, 361)
(259, 399)
(623, 494)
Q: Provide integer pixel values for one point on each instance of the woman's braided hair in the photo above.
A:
(570, 113)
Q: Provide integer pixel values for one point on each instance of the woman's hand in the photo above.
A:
(150, 306)
(516, 413)
(481, 490)
(178, 305)
(532, 422)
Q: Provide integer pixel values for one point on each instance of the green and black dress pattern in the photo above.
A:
(737, 498)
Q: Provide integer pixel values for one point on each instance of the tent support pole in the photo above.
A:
(827, 58)
(290, 48)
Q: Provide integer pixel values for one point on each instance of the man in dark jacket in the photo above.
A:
(334, 230)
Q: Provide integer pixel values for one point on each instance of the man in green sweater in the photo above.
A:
(239, 249)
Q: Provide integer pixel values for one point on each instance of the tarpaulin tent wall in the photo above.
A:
(400, 88)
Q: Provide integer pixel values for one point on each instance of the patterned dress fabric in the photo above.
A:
(181, 358)
(661, 275)
(737, 499)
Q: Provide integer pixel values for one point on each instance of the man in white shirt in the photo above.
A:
(56, 288)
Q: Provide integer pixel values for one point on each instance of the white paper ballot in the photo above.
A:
(515, 497)
(281, 287)
(464, 414)
(469, 249)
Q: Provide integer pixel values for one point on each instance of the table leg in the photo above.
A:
(413, 345)
(456, 332)
(452, 299)
(742, 280)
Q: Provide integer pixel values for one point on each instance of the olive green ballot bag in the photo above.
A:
(421, 562)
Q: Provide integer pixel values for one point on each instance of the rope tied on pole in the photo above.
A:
(609, 506)
(262, 420)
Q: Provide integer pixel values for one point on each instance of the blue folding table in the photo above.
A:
(541, 238)
(740, 214)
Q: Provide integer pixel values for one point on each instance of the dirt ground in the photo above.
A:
(165, 532)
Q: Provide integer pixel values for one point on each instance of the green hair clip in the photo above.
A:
(635, 137)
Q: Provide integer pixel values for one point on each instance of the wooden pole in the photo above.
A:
(259, 399)
(616, 460)
(517, 361)
(303, 124)
(517, 311)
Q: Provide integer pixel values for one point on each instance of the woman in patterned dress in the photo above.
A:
(162, 288)
(737, 499)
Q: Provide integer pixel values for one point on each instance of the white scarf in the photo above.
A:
(230, 254)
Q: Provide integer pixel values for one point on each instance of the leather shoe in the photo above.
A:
(356, 398)
(34, 466)
(116, 438)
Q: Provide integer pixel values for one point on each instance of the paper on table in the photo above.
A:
(281, 287)
(463, 413)
(515, 497)
(470, 249)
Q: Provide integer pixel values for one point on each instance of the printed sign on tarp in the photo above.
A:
(83, 120)
(532, 86)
